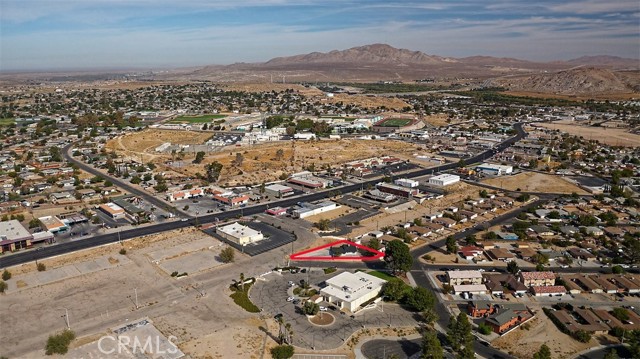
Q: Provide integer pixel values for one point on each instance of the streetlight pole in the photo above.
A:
(135, 290)
(66, 318)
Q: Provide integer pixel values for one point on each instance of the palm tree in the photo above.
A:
(242, 281)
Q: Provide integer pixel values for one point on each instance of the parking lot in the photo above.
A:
(274, 238)
(271, 296)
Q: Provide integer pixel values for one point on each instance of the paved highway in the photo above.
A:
(62, 248)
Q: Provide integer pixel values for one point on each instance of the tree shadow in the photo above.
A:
(267, 332)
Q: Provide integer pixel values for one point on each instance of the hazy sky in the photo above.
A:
(76, 34)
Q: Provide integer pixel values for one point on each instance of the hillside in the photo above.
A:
(576, 81)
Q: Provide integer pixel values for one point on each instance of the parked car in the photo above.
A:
(323, 309)
(290, 299)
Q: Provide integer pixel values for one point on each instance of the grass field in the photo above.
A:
(197, 119)
(394, 122)
(381, 275)
(6, 121)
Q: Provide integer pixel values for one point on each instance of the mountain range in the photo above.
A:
(381, 62)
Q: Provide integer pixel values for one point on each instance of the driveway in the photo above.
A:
(271, 296)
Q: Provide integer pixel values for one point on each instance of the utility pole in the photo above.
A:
(66, 318)
(135, 290)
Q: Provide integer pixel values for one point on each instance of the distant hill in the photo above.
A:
(369, 54)
(575, 81)
(606, 61)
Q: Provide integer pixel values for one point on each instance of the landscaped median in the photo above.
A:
(240, 296)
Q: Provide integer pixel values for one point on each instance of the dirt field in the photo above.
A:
(437, 120)
(259, 164)
(369, 102)
(329, 215)
(524, 343)
(143, 143)
(609, 136)
(535, 182)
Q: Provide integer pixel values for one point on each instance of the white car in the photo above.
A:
(290, 283)
(290, 299)
(323, 309)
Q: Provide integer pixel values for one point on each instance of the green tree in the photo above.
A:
(617, 269)
(395, 289)
(3, 286)
(543, 353)
(310, 308)
(282, 352)
(34, 223)
(374, 243)
(213, 171)
(620, 313)
(484, 329)
(227, 255)
(6, 275)
(59, 344)
(322, 224)
(199, 157)
(512, 267)
(451, 244)
(397, 256)
(431, 348)
(611, 354)
(420, 299)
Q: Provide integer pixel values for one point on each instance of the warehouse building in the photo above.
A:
(397, 190)
(14, 236)
(240, 234)
(405, 182)
(113, 210)
(444, 180)
(306, 209)
(278, 190)
(350, 290)
(496, 170)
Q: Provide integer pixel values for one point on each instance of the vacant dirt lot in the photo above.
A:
(144, 143)
(260, 162)
(105, 299)
(609, 136)
(535, 182)
(524, 343)
(369, 101)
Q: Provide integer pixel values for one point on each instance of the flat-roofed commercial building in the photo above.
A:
(14, 236)
(113, 210)
(278, 190)
(493, 169)
(397, 190)
(444, 180)
(240, 234)
(350, 290)
(405, 182)
(53, 224)
(309, 209)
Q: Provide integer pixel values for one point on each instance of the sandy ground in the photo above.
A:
(369, 101)
(104, 299)
(331, 215)
(260, 163)
(437, 120)
(609, 136)
(144, 143)
(535, 182)
(524, 343)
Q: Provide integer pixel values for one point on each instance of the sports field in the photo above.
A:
(394, 122)
(197, 119)
(7, 121)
